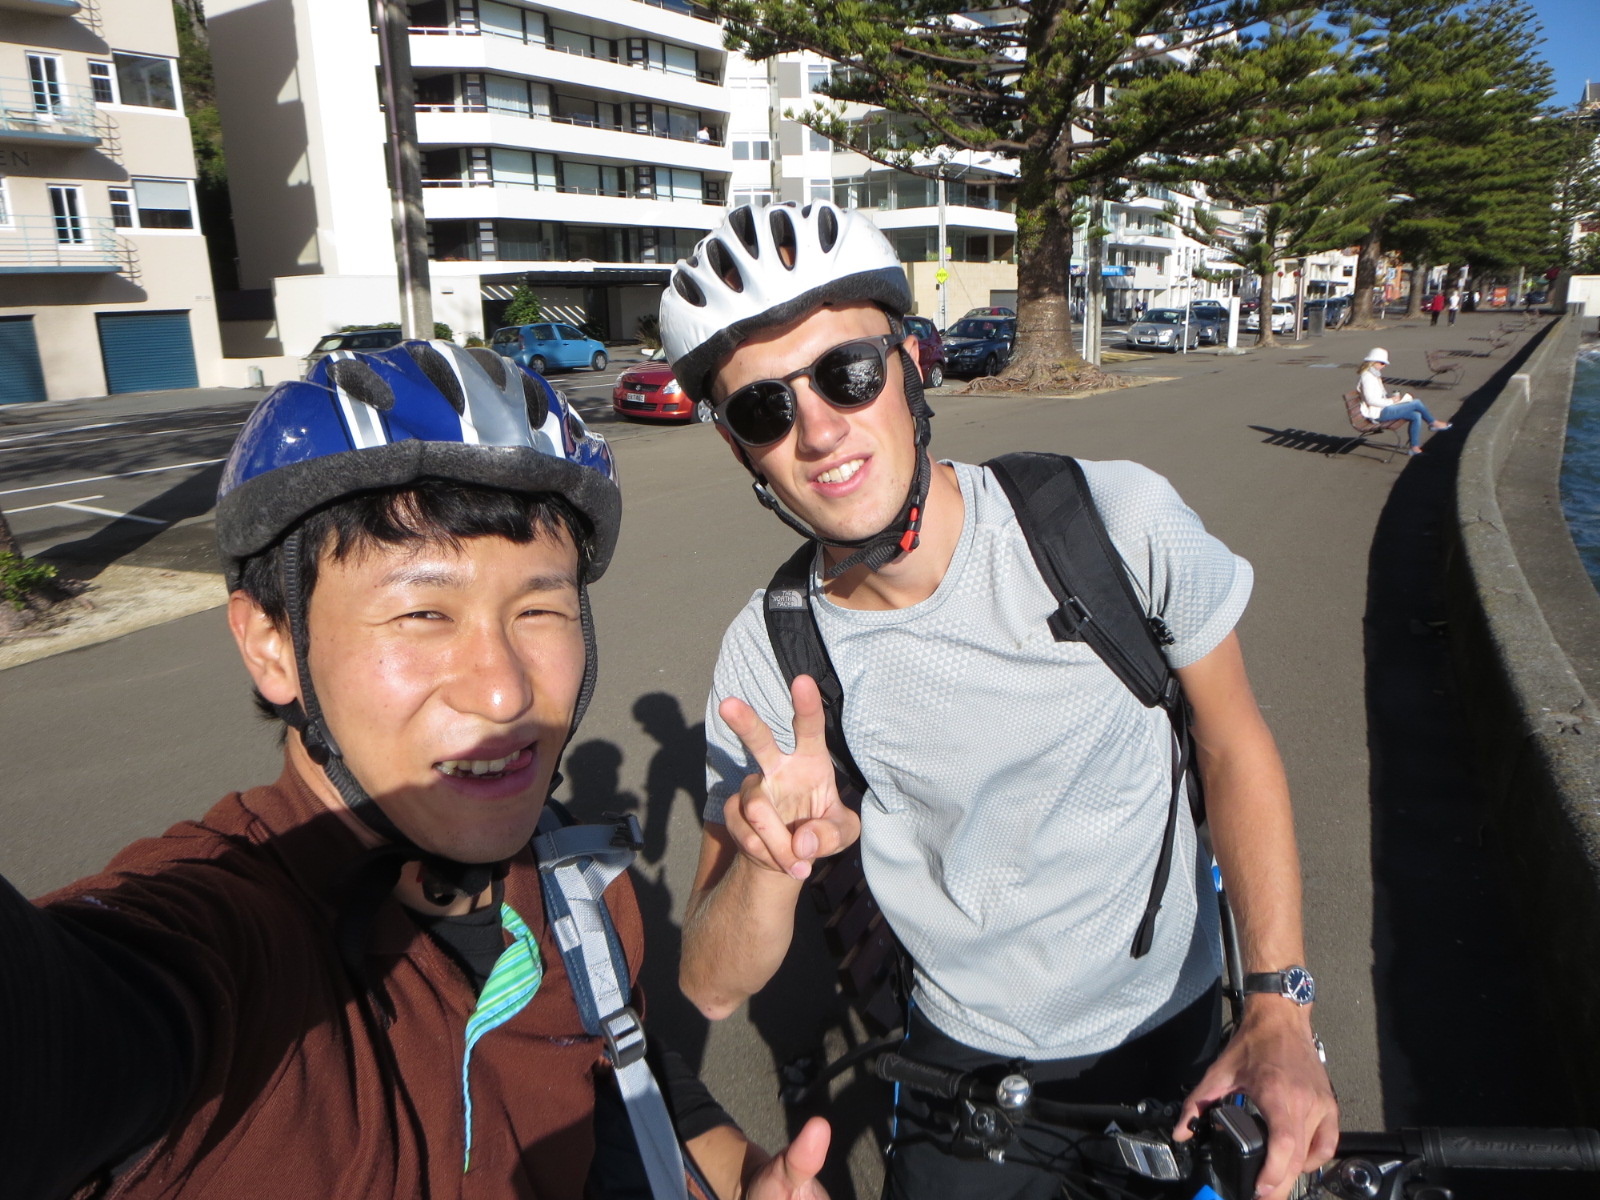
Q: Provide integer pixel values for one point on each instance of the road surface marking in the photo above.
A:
(11, 512)
(39, 487)
(106, 512)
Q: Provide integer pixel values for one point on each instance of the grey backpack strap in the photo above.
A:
(576, 865)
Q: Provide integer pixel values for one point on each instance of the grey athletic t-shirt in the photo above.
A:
(1018, 790)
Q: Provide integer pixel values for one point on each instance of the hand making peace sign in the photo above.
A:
(789, 813)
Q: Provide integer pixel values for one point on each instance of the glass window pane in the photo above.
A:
(581, 177)
(500, 19)
(681, 60)
(545, 165)
(513, 167)
(145, 81)
(507, 95)
(573, 43)
(741, 151)
(163, 204)
(100, 79)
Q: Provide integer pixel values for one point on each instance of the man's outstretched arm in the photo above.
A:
(1271, 1057)
(741, 911)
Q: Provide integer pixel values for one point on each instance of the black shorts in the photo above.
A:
(1165, 1065)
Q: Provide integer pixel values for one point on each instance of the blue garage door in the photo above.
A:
(21, 377)
(147, 351)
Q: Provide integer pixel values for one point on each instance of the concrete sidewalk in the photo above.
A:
(1424, 1001)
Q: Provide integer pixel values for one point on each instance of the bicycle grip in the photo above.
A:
(1507, 1149)
(936, 1081)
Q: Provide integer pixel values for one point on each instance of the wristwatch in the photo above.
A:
(1295, 983)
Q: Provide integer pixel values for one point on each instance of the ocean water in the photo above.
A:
(1580, 469)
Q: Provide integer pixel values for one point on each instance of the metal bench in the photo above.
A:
(1366, 429)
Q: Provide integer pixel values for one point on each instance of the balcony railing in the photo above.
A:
(587, 122)
(643, 65)
(39, 245)
(47, 8)
(569, 190)
(44, 112)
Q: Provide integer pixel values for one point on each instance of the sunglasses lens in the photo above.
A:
(760, 413)
(850, 375)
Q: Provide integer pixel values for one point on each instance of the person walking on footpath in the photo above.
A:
(397, 971)
(1435, 307)
(1380, 404)
(1454, 303)
(1018, 797)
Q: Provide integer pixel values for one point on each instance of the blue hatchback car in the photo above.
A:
(549, 345)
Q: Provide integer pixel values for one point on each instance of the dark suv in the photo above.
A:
(930, 350)
(353, 339)
(979, 345)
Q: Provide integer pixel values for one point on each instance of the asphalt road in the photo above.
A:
(1424, 1000)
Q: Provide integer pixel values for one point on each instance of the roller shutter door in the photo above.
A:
(21, 376)
(147, 351)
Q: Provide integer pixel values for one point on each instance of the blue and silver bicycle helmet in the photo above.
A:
(362, 422)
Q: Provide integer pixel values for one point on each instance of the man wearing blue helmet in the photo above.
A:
(397, 971)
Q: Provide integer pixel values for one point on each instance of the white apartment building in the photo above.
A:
(104, 281)
(578, 146)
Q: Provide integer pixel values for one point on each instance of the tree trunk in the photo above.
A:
(8, 540)
(1361, 314)
(1264, 298)
(1419, 284)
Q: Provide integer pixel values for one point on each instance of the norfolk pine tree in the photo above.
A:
(1079, 92)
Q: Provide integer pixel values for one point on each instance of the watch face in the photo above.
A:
(1299, 986)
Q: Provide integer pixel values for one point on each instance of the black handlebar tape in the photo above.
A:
(936, 1081)
(1507, 1149)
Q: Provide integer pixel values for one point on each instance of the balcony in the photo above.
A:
(478, 125)
(52, 114)
(452, 199)
(45, 8)
(35, 245)
(958, 218)
(454, 48)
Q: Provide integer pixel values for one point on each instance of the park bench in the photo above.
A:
(1444, 371)
(1498, 340)
(1366, 428)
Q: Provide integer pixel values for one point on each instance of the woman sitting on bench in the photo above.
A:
(1379, 404)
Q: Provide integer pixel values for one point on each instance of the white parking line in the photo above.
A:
(106, 512)
(121, 437)
(11, 512)
(39, 487)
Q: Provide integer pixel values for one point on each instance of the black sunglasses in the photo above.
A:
(851, 375)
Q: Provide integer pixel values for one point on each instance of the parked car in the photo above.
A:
(353, 339)
(1282, 319)
(1212, 319)
(651, 392)
(930, 350)
(979, 345)
(994, 310)
(549, 344)
(1164, 329)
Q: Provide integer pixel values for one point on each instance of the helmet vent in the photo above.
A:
(743, 225)
(806, 212)
(438, 372)
(533, 396)
(722, 263)
(827, 227)
(492, 363)
(360, 382)
(688, 289)
(783, 237)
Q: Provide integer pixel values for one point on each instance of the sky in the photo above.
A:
(1571, 44)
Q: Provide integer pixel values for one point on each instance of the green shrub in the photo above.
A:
(21, 577)
(524, 307)
(648, 331)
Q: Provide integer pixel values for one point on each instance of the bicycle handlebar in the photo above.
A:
(1484, 1149)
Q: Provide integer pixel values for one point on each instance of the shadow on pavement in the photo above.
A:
(191, 497)
(1315, 443)
(1461, 1038)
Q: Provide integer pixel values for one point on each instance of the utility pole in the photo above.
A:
(1094, 284)
(942, 276)
(405, 168)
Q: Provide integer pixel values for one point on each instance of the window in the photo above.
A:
(849, 192)
(145, 82)
(674, 184)
(66, 207)
(163, 204)
(100, 80)
(820, 189)
(816, 141)
(506, 20)
(44, 79)
(756, 197)
(516, 97)
(121, 207)
(5, 206)
(753, 150)
(816, 76)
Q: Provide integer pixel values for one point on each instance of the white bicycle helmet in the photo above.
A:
(766, 267)
(763, 267)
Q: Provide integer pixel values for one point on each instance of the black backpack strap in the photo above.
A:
(1098, 606)
(797, 643)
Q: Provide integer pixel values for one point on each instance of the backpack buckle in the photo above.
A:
(624, 1037)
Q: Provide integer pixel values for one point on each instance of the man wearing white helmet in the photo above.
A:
(1017, 793)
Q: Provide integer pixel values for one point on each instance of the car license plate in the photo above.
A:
(636, 399)
(1145, 341)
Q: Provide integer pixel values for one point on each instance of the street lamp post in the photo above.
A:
(405, 168)
(943, 276)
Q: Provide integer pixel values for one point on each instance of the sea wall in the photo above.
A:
(1525, 635)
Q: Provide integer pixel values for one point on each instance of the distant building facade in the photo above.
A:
(104, 280)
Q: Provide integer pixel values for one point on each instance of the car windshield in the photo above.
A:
(973, 328)
(332, 342)
(1164, 316)
(505, 336)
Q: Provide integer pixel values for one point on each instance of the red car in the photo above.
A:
(650, 392)
(930, 350)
